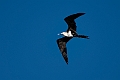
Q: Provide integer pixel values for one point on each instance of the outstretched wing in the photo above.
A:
(70, 21)
(62, 46)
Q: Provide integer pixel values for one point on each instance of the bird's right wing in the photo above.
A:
(62, 46)
(70, 21)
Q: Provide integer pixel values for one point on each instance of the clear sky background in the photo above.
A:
(28, 34)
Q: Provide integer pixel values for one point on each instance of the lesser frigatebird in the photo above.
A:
(69, 34)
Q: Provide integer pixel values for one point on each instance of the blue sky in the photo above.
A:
(28, 33)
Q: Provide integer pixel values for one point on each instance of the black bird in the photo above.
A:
(71, 32)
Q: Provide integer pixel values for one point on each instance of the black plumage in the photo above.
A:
(70, 20)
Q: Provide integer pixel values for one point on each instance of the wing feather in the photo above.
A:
(62, 46)
(70, 21)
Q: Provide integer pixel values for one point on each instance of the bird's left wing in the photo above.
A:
(62, 46)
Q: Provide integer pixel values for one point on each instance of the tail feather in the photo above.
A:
(82, 36)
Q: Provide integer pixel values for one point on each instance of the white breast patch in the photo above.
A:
(70, 34)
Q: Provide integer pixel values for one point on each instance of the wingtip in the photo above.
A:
(67, 63)
(84, 13)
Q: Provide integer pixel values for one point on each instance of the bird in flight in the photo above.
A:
(69, 34)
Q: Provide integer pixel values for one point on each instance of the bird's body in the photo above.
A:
(69, 34)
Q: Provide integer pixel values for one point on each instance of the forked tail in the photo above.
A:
(82, 36)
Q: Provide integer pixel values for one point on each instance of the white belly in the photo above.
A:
(69, 34)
